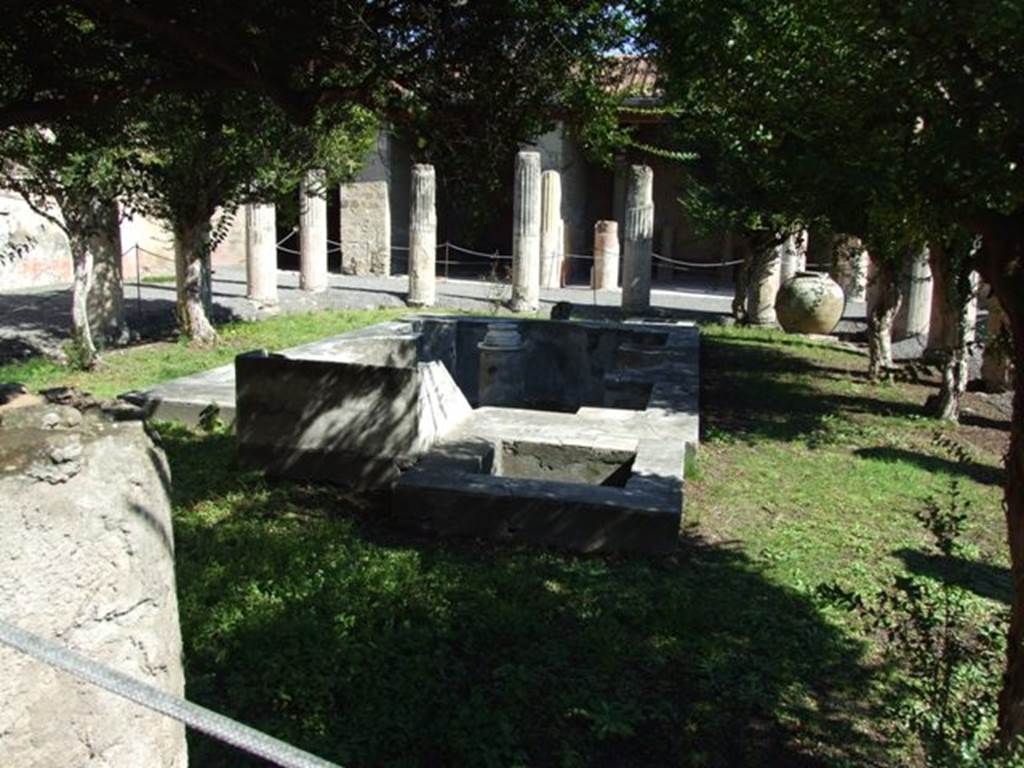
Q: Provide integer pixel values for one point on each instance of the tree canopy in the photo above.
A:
(894, 121)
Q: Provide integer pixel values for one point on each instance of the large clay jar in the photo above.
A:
(809, 302)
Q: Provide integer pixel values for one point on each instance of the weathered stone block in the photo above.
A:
(365, 228)
(355, 424)
(87, 558)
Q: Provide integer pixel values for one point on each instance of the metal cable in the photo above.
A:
(204, 720)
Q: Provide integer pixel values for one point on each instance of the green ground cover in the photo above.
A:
(140, 366)
(305, 614)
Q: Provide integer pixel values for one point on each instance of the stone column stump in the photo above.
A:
(606, 256)
(87, 562)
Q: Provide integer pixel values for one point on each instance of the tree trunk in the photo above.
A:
(1011, 699)
(106, 292)
(952, 326)
(84, 349)
(740, 285)
(192, 269)
(884, 298)
(1001, 263)
(954, 381)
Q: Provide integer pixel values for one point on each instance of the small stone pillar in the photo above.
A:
(606, 256)
(526, 234)
(914, 317)
(550, 230)
(502, 375)
(793, 255)
(313, 231)
(639, 230)
(261, 253)
(763, 286)
(422, 238)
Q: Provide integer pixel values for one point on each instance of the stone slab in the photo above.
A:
(365, 228)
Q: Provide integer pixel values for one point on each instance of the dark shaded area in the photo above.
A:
(980, 473)
(36, 323)
(977, 420)
(306, 615)
(983, 579)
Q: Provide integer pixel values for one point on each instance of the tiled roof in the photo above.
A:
(634, 77)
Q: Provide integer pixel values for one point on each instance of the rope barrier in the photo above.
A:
(139, 249)
(472, 252)
(127, 687)
(696, 265)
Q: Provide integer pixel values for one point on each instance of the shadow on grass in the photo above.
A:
(985, 580)
(980, 473)
(754, 391)
(984, 422)
(306, 617)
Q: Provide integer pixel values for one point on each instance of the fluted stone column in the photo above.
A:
(663, 269)
(793, 255)
(422, 237)
(526, 234)
(313, 231)
(550, 230)
(914, 316)
(261, 253)
(639, 230)
(606, 256)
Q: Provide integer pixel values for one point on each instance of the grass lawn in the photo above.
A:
(140, 366)
(305, 614)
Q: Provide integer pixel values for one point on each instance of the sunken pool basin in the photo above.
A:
(556, 433)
